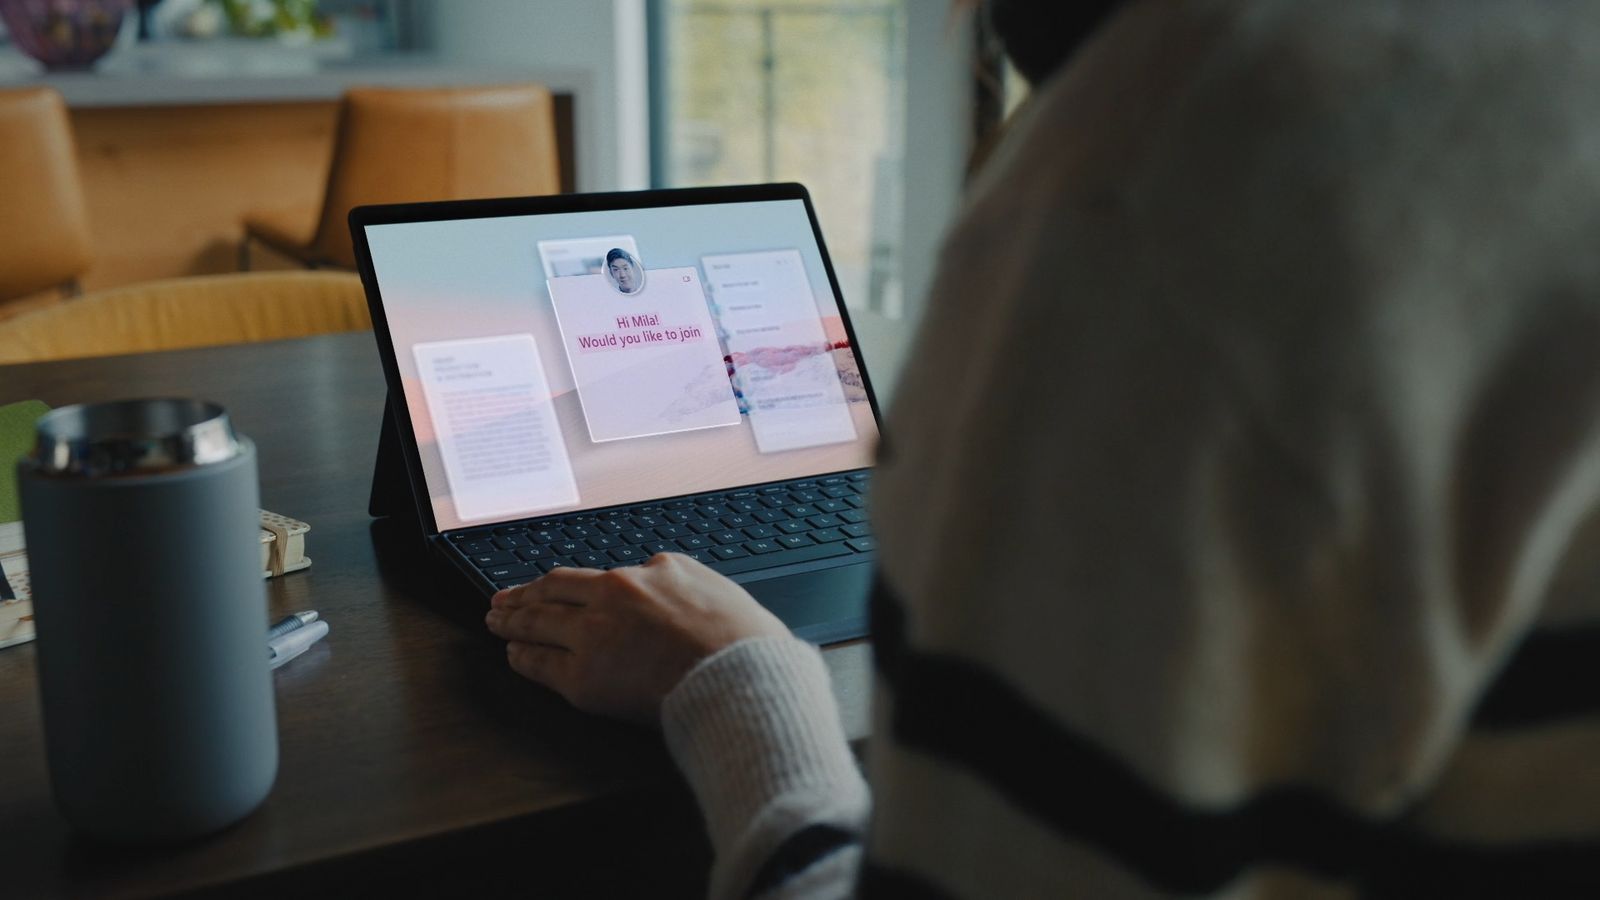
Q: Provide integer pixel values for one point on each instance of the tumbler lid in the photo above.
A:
(133, 437)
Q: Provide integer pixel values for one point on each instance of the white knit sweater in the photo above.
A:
(1238, 506)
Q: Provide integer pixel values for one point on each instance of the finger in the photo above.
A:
(559, 624)
(549, 666)
(571, 586)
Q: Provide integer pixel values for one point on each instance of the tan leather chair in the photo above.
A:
(188, 312)
(44, 231)
(399, 146)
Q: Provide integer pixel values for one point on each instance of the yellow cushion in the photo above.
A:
(188, 312)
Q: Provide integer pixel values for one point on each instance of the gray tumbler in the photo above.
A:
(143, 530)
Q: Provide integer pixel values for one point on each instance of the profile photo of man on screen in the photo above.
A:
(626, 275)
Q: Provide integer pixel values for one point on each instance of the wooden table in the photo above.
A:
(412, 759)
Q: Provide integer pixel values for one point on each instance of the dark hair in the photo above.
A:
(1039, 35)
(617, 253)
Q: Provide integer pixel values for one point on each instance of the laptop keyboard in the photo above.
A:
(731, 532)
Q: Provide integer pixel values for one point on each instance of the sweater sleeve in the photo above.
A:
(755, 730)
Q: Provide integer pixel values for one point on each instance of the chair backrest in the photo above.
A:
(188, 312)
(44, 230)
(400, 145)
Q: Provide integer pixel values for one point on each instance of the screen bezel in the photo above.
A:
(361, 217)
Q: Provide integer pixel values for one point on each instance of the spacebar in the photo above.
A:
(781, 558)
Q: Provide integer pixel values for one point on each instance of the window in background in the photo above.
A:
(792, 90)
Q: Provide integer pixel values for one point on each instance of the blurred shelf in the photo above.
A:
(223, 71)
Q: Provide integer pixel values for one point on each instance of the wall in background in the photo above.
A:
(600, 44)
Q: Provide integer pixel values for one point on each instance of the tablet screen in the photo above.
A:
(579, 360)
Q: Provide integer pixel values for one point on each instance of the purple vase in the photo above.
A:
(64, 34)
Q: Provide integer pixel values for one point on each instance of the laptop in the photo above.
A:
(589, 380)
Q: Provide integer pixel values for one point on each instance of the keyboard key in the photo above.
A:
(826, 535)
(730, 551)
(759, 547)
(727, 537)
(628, 554)
(611, 515)
(636, 536)
(677, 504)
(522, 570)
(557, 563)
(805, 496)
(492, 558)
(793, 526)
(743, 507)
(568, 548)
(695, 543)
(768, 516)
(705, 526)
(824, 521)
(760, 532)
(737, 521)
(578, 532)
(859, 476)
(611, 526)
(510, 529)
(709, 512)
(546, 535)
(801, 511)
(832, 506)
(773, 560)
(680, 516)
(853, 515)
(791, 541)
(857, 530)
(647, 522)
(472, 548)
(532, 553)
(859, 488)
(605, 541)
(672, 531)
(775, 501)
(661, 547)
(857, 501)
(862, 544)
(773, 489)
(832, 480)
(836, 491)
(742, 495)
(592, 559)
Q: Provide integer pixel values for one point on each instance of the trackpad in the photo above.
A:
(822, 607)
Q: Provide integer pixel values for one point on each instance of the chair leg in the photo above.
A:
(244, 253)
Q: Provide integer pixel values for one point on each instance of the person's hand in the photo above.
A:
(617, 642)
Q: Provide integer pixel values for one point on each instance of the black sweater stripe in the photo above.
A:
(1553, 676)
(960, 712)
(799, 852)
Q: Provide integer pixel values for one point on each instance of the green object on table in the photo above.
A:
(16, 440)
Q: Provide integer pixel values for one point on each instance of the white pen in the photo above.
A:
(282, 649)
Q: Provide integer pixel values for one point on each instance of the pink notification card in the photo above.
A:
(646, 362)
